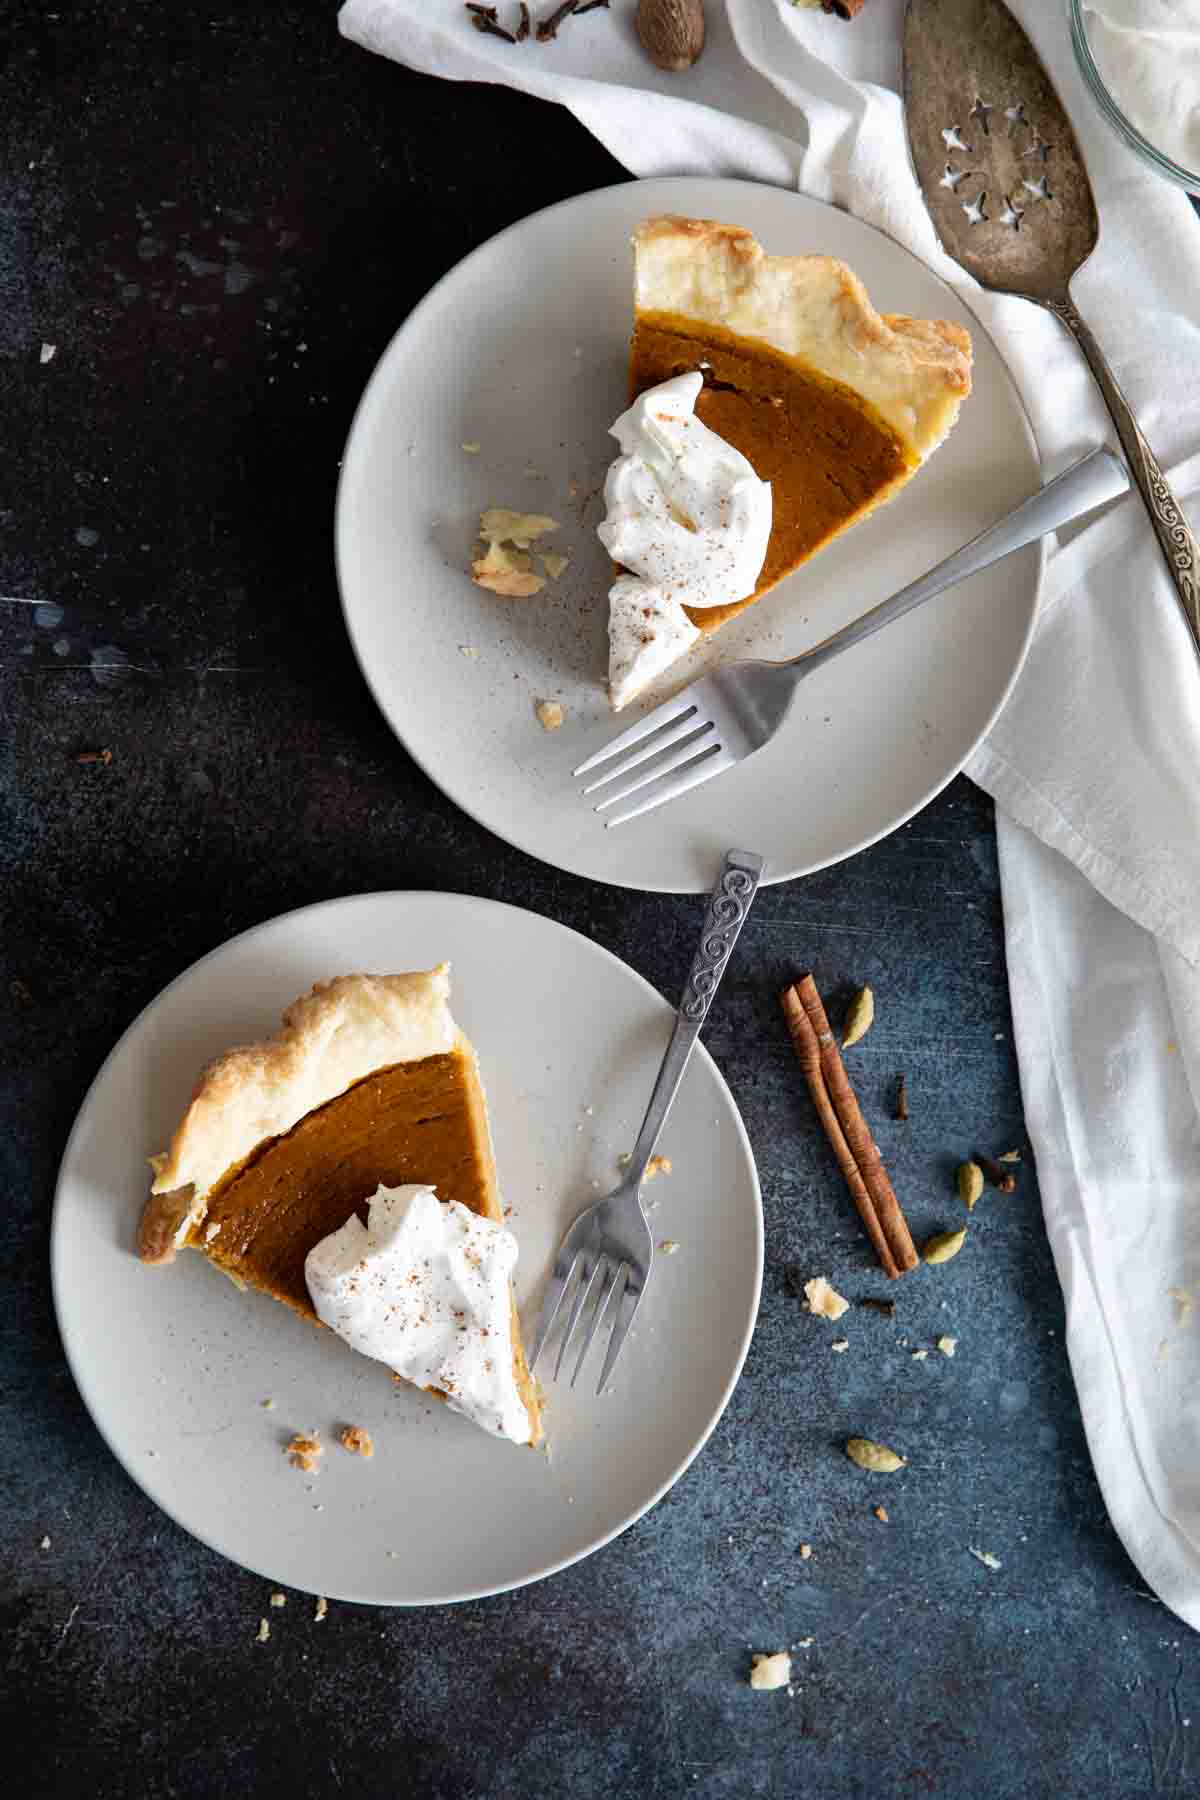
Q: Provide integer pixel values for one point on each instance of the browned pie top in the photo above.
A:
(826, 452)
(413, 1122)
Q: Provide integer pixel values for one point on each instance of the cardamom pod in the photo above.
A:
(968, 1179)
(876, 1458)
(943, 1245)
(860, 1017)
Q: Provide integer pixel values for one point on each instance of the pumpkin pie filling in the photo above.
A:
(416, 1122)
(826, 453)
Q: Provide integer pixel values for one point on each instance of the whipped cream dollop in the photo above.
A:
(687, 515)
(1148, 54)
(423, 1286)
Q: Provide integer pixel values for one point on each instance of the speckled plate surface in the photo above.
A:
(522, 350)
(175, 1364)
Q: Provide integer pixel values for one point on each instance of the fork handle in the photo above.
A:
(1097, 477)
(728, 907)
(1175, 537)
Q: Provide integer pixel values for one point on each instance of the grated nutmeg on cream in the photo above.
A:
(424, 1288)
(689, 519)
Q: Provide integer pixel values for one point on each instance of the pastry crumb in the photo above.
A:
(211, 1230)
(278, 1599)
(824, 1300)
(267, 1405)
(768, 1672)
(947, 1345)
(668, 1246)
(881, 1513)
(919, 1355)
(469, 651)
(472, 449)
(322, 1608)
(554, 562)
(45, 1544)
(805, 1552)
(550, 716)
(47, 353)
(840, 1346)
(357, 1439)
(305, 1452)
(264, 1632)
(506, 572)
(804, 1643)
(658, 1165)
(986, 1557)
(1009, 1156)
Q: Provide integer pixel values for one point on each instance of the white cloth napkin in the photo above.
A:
(1095, 761)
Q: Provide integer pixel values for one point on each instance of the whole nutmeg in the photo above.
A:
(671, 31)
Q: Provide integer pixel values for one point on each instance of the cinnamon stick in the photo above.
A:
(843, 1123)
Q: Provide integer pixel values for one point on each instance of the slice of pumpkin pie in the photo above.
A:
(356, 1142)
(832, 404)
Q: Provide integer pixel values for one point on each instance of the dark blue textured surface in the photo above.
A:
(170, 472)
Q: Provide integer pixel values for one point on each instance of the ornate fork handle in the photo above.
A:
(1175, 536)
(728, 905)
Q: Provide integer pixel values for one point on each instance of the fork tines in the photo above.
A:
(679, 739)
(604, 1284)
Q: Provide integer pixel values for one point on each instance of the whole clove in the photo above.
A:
(995, 1175)
(490, 28)
(547, 31)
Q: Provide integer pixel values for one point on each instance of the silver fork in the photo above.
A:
(725, 717)
(609, 1250)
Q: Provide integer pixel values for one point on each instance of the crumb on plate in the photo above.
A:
(305, 1451)
(357, 1439)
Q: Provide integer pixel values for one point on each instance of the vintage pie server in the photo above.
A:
(1005, 184)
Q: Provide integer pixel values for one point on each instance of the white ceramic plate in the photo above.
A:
(174, 1363)
(522, 349)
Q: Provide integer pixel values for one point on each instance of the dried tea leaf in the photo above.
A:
(501, 525)
(943, 1245)
(860, 1017)
(877, 1458)
(968, 1179)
